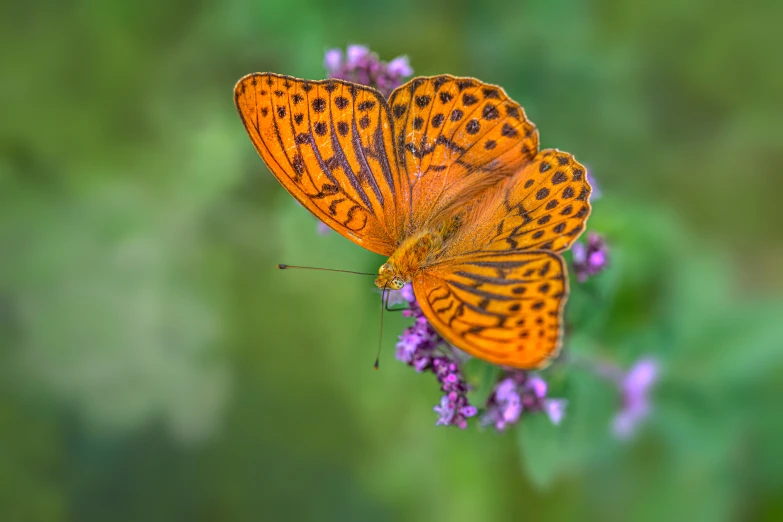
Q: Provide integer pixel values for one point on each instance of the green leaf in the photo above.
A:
(734, 349)
(541, 447)
(548, 451)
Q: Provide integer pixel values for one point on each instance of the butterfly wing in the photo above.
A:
(498, 288)
(454, 138)
(328, 143)
(542, 207)
(503, 307)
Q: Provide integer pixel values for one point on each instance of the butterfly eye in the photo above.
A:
(397, 283)
(384, 268)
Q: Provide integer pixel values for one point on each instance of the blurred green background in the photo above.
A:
(155, 366)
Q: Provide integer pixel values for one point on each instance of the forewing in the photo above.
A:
(329, 143)
(455, 137)
(503, 307)
(543, 207)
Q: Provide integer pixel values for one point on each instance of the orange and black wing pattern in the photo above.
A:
(454, 138)
(329, 143)
(543, 207)
(503, 307)
(499, 286)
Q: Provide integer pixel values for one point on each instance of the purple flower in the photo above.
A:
(555, 409)
(399, 67)
(397, 297)
(407, 293)
(454, 407)
(507, 404)
(538, 386)
(445, 411)
(422, 348)
(591, 258)
(635, 388)
(333, 60)
(417, 343)
(356, 56)
(364, 67)
(517, 393)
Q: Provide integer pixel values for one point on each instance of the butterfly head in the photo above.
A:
(387, 278)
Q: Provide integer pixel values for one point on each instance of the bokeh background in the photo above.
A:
(155, 366)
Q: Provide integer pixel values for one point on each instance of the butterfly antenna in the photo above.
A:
(284, 267)
(384, 302)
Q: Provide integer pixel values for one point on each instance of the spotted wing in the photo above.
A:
(329, 143)
(503, 307)
(543, 207)
(455, 137)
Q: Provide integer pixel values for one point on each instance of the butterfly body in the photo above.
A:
(408, 260)
(446, 180)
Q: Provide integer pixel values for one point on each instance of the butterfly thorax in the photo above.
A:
(409, 258)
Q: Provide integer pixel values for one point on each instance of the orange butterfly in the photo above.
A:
(446, 179)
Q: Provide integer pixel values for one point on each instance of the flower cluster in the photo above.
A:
(454, 408)
(421, 347)
(591, 258)
(519, 392)
(360, 65)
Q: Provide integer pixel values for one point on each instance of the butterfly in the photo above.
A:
(446, 179)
